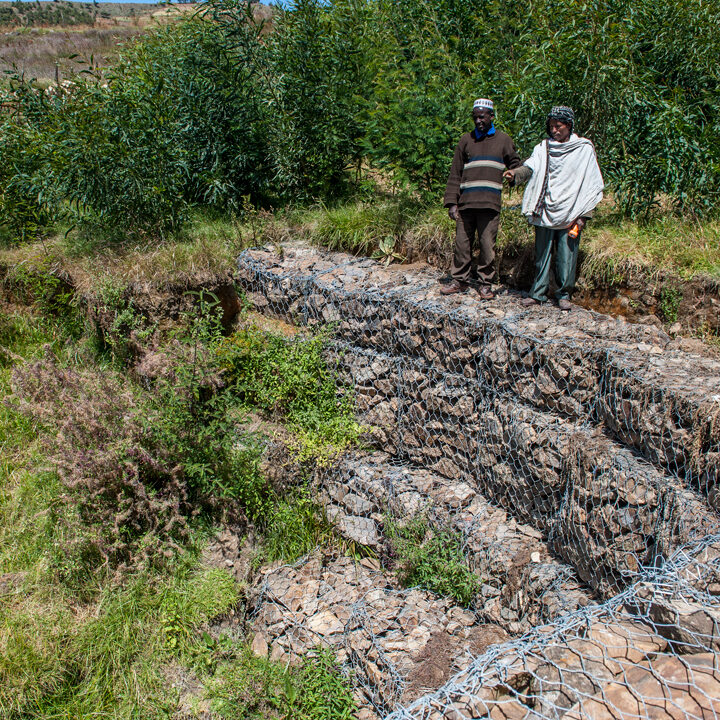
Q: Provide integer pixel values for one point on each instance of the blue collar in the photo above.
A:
(489, 133)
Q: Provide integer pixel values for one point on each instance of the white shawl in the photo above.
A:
(574, 186)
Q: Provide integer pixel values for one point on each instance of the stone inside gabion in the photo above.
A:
(577, 456)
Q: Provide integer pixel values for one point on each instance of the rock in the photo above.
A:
(519, 427)
(669, 687)
(690, 626)
(325, 623)
(360, 530)
(631, 641)
(508, 710)
(259, 645)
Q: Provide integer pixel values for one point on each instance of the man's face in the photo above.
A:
(559, 131)
(483, 119)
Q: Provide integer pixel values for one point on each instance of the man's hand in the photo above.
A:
(509, 175)
(580, 222)
(453, 212)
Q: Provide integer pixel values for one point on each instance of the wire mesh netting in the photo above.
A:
(574, 453)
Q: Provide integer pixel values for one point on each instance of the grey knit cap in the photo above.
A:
(563, 113)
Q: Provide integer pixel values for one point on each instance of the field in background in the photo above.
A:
(35, 44)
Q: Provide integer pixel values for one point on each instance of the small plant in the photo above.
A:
(431, 559)
(386, 251)
(293, 528)
(252, 687)
(289, 378)
(40, 282)
(670, 299)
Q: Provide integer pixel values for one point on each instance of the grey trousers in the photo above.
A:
(566, 253)
(485, 224)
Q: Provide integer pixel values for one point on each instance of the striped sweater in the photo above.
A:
(475, 180)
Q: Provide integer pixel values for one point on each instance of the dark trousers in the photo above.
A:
(566, 253)
(485, 224)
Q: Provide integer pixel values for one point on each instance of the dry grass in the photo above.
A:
(36, 50)
(667, 244)
(613, 249)
(207, 248)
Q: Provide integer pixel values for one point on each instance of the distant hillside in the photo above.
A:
(37, 37)
(64, 13)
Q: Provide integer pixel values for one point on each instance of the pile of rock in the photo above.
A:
(650, 653)
(519, 407)
(607, 510)
(399, 644)
(536, 435)
(522, 585)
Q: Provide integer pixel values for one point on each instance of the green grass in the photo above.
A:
(258, 689)
(359, 227)
(613, 248)
(433, 559)
(612, 245)
(76, 644)
(665, 243)
(105, 659)
(207, 247)
(289, 379)
(294, 526)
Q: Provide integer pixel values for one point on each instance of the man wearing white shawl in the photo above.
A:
(564, 186)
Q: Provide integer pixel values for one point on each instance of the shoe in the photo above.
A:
(564, 304)
(454, 287)
(529, 302)
(485, 292)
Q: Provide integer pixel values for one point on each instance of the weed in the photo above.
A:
(386, 251)
(108, 662)
(253, 687)
(432, 559)
(72, 644)
(127, 491)
(294, 527)
(40, 282)
(289, 378)
(670, 299)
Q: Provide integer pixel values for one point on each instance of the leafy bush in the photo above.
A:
(100, 154)
(226, 106)
(23, 214)
(432, 559)
(289, 378)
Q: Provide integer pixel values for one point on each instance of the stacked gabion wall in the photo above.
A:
(577, 454)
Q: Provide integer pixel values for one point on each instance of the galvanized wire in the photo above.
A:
(595, 434)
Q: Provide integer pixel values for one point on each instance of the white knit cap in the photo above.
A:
(483, 104)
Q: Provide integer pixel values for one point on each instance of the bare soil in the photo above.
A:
(434, 664)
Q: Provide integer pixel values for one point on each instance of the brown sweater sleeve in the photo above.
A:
(522, 175)
(452, 190)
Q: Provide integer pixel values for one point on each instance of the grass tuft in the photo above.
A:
(433, 559)
(253, 687)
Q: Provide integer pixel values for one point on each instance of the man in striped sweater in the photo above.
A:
(473, 197)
